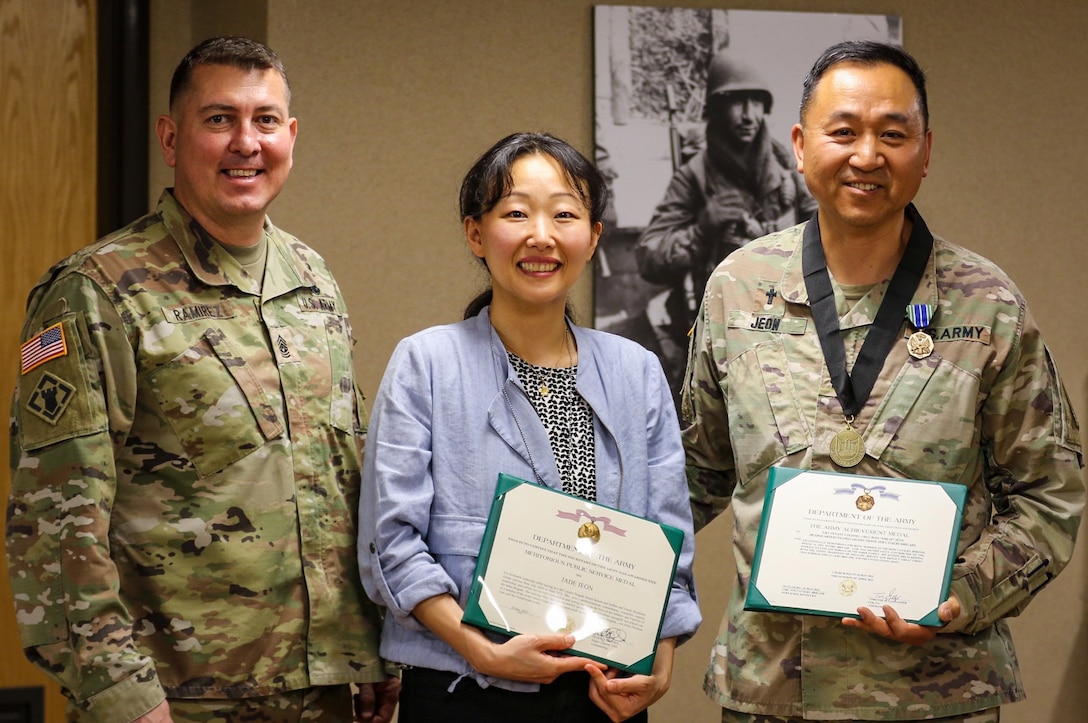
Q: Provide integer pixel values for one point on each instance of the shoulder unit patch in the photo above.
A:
(50, 398)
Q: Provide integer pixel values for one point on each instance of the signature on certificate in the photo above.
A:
(892, 596)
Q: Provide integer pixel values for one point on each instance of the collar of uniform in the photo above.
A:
(216, 268)
(793, 278)
(792, 287)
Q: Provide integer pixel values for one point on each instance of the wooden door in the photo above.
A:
(48, 141)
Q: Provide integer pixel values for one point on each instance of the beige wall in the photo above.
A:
(396, 98)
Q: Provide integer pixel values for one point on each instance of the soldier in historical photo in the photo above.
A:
(740, 186)
(187, 443)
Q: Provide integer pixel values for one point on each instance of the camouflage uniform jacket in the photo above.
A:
(186, 468)
(985, 409)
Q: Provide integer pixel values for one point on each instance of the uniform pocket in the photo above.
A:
(926, 422)
(214, 403)
(764, 409)
(344, 410)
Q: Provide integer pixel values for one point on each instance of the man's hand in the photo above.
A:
(375, 702)
(893, 627)
(158, 714)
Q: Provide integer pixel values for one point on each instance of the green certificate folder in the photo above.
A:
(830, 543)
(554, 563)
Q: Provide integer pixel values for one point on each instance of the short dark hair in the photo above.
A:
(232, 50)
(866, 52)
(491, 176)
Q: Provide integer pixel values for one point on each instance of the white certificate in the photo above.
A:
(831, 543)
(554, 563)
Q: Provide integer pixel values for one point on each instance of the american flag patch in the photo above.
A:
(47, 345)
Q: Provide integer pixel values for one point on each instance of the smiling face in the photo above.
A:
(537, 239)
(863, 146)
(230, 141)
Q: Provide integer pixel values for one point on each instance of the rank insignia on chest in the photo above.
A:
(285, 352)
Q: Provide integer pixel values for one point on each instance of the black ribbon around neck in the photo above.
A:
(853, 389)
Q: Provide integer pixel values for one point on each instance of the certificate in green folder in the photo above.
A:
(830, 543)
(554, 563)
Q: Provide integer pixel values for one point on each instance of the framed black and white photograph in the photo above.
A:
(693, 114)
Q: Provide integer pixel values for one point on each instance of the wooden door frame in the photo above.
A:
(123, 109)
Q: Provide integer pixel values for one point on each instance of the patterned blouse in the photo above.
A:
(568, 419)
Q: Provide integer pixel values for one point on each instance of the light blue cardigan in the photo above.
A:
(441, 432)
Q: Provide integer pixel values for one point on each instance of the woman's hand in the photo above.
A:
(621, 698)
(528, 658)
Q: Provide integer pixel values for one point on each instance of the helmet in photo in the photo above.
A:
(726, 74)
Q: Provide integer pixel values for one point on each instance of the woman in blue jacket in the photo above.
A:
(515, 388)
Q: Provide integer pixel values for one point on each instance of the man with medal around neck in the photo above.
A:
(964, 391)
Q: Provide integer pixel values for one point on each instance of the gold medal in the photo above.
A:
(847, 447)
(591, 531)
(920, 345)
(865, 501)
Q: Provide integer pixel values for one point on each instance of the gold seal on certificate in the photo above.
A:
(847, 447)
(865, 501)
(590, 531)
(554, 563)
(920, 345)
(830, 543)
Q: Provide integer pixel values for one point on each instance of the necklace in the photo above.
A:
(544, 389)
(503, 385)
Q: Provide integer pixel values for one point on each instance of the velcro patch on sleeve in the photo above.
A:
(60, 399)
(50, 398)
(50, 343)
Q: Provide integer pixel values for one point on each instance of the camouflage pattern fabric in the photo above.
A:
(992, 715)
(186, 467)
(327, 704)
(985, 409)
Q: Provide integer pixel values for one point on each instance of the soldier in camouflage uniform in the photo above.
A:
(187, 440)
(979, 404)
(741, 186)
